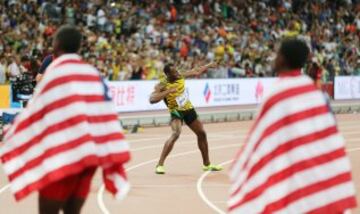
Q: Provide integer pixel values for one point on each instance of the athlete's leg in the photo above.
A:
(48, 206)
(67, 194)
(197, 127)
(73, 206)
(169, 144)
(52, 198)
(77, 200)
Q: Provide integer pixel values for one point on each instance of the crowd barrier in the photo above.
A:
(132, 96)
(347, 88)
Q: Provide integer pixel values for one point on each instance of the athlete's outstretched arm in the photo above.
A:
(160, 93)
(199, 70)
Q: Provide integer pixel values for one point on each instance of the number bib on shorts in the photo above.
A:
(182, 99)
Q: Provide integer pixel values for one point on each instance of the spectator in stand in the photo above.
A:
(3, 71)
(315, 71)
(241, 33)
(14, 68)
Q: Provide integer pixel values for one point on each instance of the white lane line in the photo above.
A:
(100, 200)
(220, 202)
(100, 195)
(353, 149)
(101, 190)
(349, 132)
(180, 143)
(174, 185)
(157, 146)
(156, 114)
(4, 188)
(202, 194)
(205, 112)
(344, 129)
(7, 186)
(145, 139)
(352, 140)
(164, 137)
(212, 204)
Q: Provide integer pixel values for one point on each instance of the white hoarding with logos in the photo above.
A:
(131, 96)
(347, 87)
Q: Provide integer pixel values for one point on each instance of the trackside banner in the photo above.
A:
(132, 96)
(347, 87)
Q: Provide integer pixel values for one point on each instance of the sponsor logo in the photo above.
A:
(207, 93)
(122, 95)
(259, 91)
(227, 92)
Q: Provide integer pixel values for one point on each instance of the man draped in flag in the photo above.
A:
(293, 160)
(68, 130)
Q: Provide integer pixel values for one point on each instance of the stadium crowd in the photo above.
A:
(132, 39)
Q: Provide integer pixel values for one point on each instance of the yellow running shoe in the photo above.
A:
(160, 170)
(212, 167)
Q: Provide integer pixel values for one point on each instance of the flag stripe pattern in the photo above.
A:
(69, 124)
(294, 159)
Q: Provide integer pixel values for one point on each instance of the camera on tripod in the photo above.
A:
(22, 88)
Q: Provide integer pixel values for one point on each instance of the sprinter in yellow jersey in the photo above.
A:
(172, 90)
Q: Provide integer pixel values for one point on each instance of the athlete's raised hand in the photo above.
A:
(200, 70)
(212, 65)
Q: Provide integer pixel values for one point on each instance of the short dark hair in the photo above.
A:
(295, 53)
(69, 39)
(167, 68)
(24, 58)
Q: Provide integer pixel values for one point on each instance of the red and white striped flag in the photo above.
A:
(70, 124)
(294, 159)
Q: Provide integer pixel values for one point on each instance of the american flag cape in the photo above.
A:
(293, 160)
(69, 124)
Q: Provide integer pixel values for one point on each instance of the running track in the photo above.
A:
(185, 188)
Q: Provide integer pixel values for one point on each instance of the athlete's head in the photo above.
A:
(292, 54)
(67, 40)
(170, 71)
